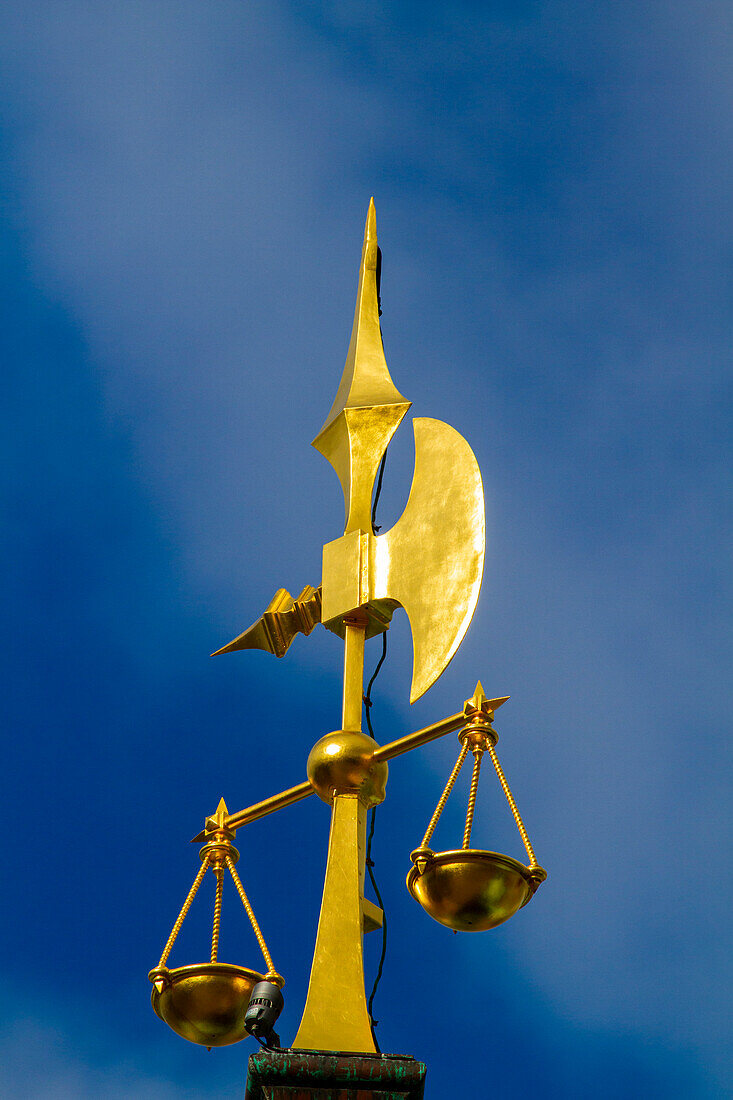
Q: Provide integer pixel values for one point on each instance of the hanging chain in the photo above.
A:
(250, 913)
(444, 797)
(512, 806)
(182, 915)
(219, 872)
(472, 798)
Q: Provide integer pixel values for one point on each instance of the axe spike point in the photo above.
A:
(282, 619)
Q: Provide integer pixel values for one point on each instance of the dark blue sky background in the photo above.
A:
(184, 187)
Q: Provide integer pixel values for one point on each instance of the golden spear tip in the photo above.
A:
(369, 248)
(368, 407)
(370, 229)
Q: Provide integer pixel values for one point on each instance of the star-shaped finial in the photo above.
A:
(479, 706)
(214, 823)
(222, 813)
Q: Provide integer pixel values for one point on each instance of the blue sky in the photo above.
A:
(184, 188)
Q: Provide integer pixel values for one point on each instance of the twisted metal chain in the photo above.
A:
(472, 799)
(444, 797)
(219, 872)
(250, 913)
(182, 915)
(512, 806)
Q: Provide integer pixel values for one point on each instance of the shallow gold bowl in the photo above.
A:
(470, 890)
(205, 1003)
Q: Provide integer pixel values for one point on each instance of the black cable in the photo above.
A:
(375, 528)
(379, 280)
(273, 1043)
(368, 696)
(369, 861)
(370, 864)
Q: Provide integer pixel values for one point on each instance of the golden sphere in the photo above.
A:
(343, 762)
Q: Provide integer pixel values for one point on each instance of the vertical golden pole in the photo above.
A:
(335, 1015)
(354, 637)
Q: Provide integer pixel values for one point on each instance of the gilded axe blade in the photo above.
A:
(430, 563)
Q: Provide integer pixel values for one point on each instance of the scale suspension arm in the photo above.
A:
(381, 754)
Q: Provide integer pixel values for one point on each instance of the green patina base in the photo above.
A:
(322, 1075)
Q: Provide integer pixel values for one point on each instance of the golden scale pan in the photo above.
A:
(206, 1003)
(468, 889)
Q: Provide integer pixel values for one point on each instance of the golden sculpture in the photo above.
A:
(430, 563)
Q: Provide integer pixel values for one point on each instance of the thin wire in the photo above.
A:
(368, 695)
(379, 280)
(367, 712)
(369, 863)
(375, 528)
(264, 1043)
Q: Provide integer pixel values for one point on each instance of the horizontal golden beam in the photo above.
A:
(253, 813)
(304, 790)
(431, 733)
(420, 737)
(269, 805)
